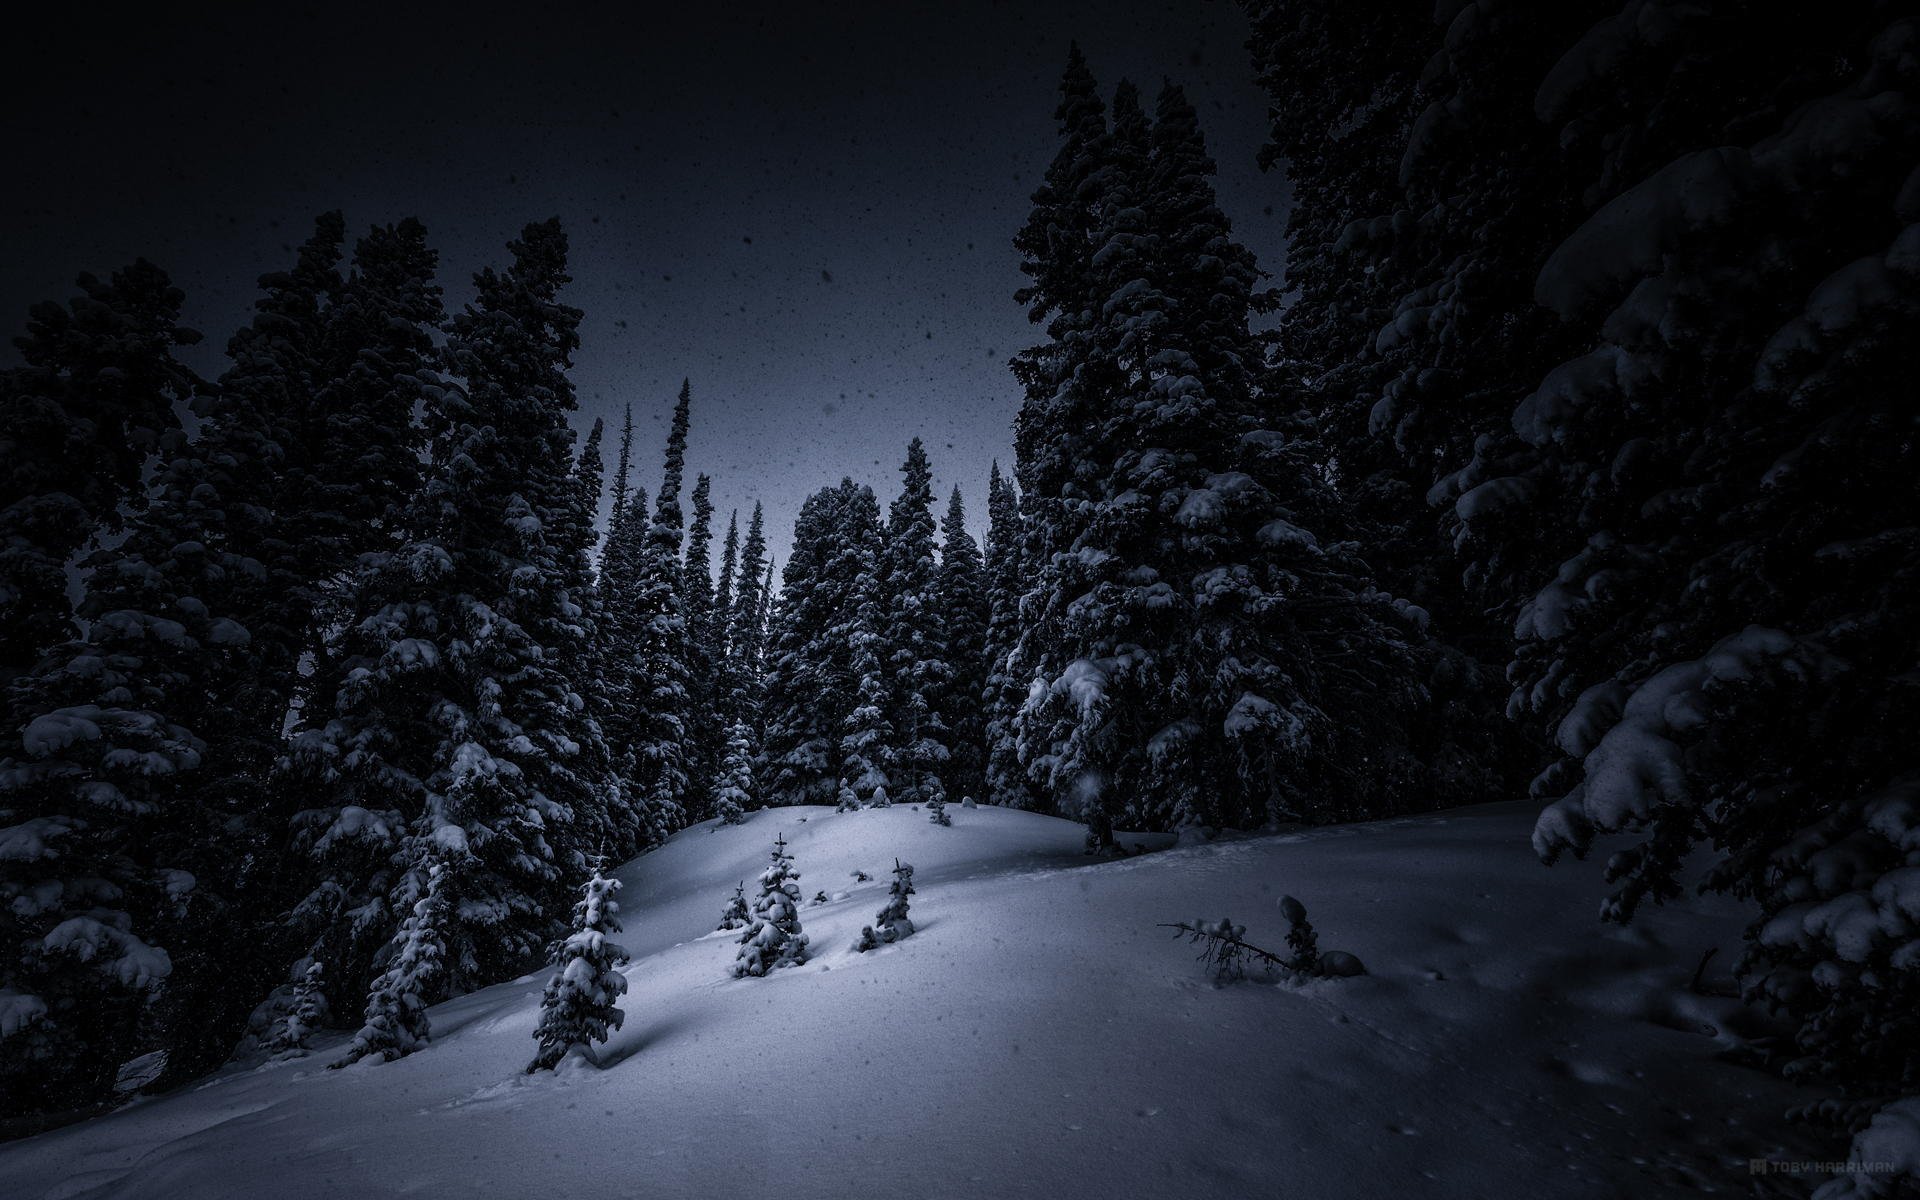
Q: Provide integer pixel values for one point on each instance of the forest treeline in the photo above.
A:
(1576, 445)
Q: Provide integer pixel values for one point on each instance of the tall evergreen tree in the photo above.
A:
(811, 688)
(145, 744)
(1682, 238)
(962, 603)
(913, 638)
(747, 625)
(95, 398)
(663, 713)
(1005, 689)
(1204, 656)
(707, 729)
(455, 745)
(723, 590)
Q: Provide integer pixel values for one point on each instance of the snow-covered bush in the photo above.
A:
(775, 939)
(847, 799)
(579, 1006)
(891, 923)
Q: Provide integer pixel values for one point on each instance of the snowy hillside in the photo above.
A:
(1037, 1036)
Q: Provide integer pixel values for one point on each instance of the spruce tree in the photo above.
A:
(734, 795)
(828, 614)
(456, 741)
(396, 1021)
(891, 923)
(735, 914)
(580, 1005)
(95, 398)
(306, 1014)
(616, 652)
(962, 603)
(144, 743)
(1204, 657)
(1632, 290)
(747, 631)
(1005, 689)
(708, 730)
(725, 682)
(866, 743)
(774, 939)
(913, 645)
(661, 720)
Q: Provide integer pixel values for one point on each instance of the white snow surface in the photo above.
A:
(1037, 1036)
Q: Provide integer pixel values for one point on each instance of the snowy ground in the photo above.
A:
(1038, 1036)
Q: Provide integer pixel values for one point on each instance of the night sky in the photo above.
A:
(806, 208)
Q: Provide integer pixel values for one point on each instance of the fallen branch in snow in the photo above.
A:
(1224, 949)
(1228, 953)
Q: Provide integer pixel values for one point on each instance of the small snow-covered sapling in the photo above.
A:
(820, 897)
(937, 809)
(861, 876)
(891, 924)
(775, 939)
(305, 1013)
(967, 802)
(579, 1006)
(879, 798)
(849, 800)
(735, 915)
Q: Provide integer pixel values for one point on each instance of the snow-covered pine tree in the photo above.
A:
(354, 462)
(775, 938)
(734, 795)
(1005, 689)
(661, 731)
(811, 689)
(799, 746)
(913, 639)
(699, 569)
(744, 670)
(143, 742)
(724, 684)
(961, 588)
(396, 1021)
(937, 809)
(746, 626)
(1416, 324)
(94, 398)
(455, 739)
(305, 1015)
(707, 728)
(736, 915)
(1204, 657)
(891, 923)
(867, 747)
(1684, 236)
(580, 1005)
(616, 653)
